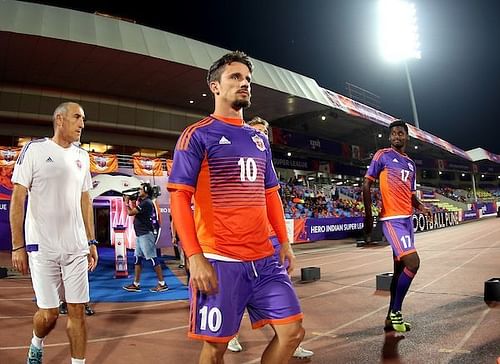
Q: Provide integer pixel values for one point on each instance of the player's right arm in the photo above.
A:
(16, 216)
(371, 175)
(22, 178)
(202, 274)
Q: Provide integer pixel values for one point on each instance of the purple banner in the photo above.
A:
(281, 160)
(469, 215)
(332, 228)
(428, 194)
(486, 208)
(5, 240)
(293, 139)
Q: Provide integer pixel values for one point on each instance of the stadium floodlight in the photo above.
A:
(398, 36)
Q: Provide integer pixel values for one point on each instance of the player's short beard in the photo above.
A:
(240, 104)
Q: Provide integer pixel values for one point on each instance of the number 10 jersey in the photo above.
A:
(228, 166)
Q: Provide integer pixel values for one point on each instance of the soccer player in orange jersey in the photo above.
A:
(397, 177)
(227, 166)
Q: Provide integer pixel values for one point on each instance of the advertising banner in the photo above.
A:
(103, 163)
(5, 241)
(469, 215)
(8, 155)
(299, 231)
(169, 163)
(293, 139)
(486, 208)
(332, 228)
(280, 160)
(6, 185)
(356, 108)
(439, 220)
(148, 166)
(428, 195)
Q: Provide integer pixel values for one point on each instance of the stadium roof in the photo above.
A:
(60, 49)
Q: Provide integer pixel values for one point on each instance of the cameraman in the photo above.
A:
(145, 247)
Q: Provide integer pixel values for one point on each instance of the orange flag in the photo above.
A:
(148, 166)
(103, 163)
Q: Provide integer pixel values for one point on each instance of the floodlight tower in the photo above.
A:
(399, 38)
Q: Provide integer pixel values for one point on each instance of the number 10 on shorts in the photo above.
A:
(211, 318)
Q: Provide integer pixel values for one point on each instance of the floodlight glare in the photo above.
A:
(398, 30)
(399, 38)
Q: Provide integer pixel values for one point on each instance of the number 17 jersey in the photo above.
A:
(228, 166)
(396, 174)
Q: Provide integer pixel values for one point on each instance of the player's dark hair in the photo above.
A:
(218, 66)
(399, 122)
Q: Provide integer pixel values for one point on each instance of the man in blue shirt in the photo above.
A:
(145, 247)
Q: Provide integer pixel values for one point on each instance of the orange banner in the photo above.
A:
(8, 155)
(103, 163)
(5, 180)
(148, 166)
(169, 166)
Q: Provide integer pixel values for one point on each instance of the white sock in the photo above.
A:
(37, 341)
(162, 283)
(77, 361)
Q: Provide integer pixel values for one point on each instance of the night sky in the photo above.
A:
(456, 83)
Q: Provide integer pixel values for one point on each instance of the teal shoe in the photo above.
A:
(34, 355)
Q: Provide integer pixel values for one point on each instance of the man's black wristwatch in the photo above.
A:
(93, 242)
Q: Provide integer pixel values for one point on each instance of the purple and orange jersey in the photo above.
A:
(397, 177)
(228, 167)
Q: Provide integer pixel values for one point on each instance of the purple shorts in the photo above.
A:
(399, 233)
(263, 287)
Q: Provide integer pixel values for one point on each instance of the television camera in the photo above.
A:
(133, 193)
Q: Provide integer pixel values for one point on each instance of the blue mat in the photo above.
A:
(105, 288)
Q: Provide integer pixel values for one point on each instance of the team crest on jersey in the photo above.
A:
(79, 164)
(410, 166)
(259, 143)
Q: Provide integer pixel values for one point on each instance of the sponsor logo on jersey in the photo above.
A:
(49, 160)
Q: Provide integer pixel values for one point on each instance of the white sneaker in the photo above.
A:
(234, 345)
(302, 353)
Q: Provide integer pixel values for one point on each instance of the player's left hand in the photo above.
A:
(286, 253)
(93, 257)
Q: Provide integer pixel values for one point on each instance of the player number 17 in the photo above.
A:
(404, 175)
(405, 239)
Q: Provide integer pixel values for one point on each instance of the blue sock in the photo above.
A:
(404, 282)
